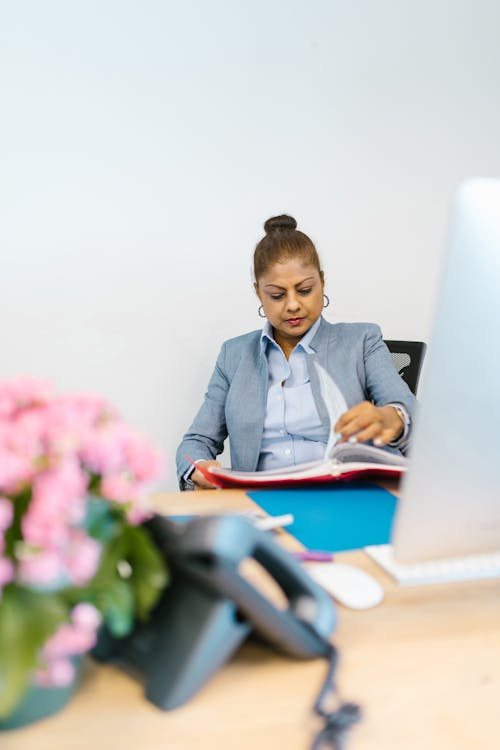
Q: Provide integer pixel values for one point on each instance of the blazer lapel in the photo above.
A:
(251, 410)
(320, 344)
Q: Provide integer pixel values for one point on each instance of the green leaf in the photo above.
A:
(94, 481)
(149, 574)
(119, 597)
(13, 534)
(147, 579)
(116, 602)
(112, 595)
(100, 520)
(27, 619)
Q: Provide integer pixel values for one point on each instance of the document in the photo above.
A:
(344, 461)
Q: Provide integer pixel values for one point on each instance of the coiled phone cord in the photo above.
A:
(338, 722)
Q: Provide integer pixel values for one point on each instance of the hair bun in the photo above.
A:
(280, 223)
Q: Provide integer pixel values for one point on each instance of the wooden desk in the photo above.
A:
(425, 666)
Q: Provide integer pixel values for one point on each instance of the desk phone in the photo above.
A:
(210, 608)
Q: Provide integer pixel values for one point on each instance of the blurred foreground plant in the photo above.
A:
(73, 478)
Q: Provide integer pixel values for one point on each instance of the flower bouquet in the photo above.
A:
(73, 553)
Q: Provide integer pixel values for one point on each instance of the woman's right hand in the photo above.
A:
(200, 483)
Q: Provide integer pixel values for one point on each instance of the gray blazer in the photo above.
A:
(354, 354)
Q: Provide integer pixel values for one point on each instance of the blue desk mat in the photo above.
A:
(336, 518)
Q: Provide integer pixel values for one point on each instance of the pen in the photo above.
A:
(264, 523)
(273, 522)
(313, 556)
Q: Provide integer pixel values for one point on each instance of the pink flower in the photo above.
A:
(103, 451)
(77, 636)
(58, 500)
(73, 562)
(22, 392)
(42, 569)
(56, 673)
(6, 513)
(143, 462)
(82, 558)
(86, 617)
(92, 408)
(66, 424)
(6, 571)
(23, 433)
(139, 512)
(54, 451)
(68, 640)
(15, 470)
(120, 489)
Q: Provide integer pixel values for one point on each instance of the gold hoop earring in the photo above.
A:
(261, 314)
(327, 301)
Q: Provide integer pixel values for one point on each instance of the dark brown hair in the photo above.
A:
(283, 241)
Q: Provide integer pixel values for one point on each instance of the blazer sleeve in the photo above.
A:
(204, 439)
(384, 384)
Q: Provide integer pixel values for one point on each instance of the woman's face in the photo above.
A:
(292, 297)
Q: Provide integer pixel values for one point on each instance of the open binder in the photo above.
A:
(345, 462)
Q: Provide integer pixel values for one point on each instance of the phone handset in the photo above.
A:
(210, 551)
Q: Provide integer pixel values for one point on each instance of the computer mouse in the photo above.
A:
(347, 584)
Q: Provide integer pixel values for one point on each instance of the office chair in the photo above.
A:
(408, 357)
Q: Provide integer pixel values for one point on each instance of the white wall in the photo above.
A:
(143, 144)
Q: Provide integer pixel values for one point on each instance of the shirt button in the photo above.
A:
(287, 452)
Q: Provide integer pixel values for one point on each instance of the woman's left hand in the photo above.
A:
(365, 421)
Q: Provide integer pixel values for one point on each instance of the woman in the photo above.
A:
(266, 393)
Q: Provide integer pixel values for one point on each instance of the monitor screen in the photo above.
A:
(450, 499)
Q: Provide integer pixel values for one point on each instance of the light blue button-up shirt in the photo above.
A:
(293, 432)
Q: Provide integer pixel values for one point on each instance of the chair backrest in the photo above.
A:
(408, 357)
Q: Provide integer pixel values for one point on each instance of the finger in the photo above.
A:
(371, 432)
(364, 411)
(349, 432)
(346, 434)
(346, 417)
(356, 425)
(385, 437)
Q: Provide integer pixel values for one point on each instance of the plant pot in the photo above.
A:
(39, 703)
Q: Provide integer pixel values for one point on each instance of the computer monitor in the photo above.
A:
(450, 497)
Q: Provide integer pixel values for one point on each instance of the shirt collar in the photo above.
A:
(266, 337)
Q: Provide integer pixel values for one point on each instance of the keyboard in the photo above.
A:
(467, 568)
